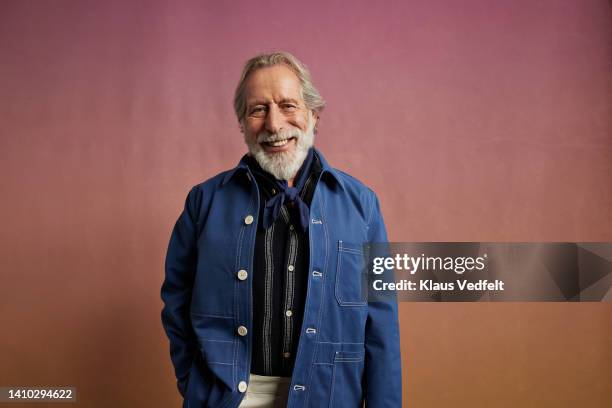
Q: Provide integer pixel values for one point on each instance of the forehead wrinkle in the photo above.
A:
(277, 95)
(265, 87)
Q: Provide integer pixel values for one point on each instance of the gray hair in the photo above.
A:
(312, 97)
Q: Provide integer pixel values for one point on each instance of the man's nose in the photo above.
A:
(274, 121)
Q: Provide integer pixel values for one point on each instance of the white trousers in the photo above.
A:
(265, 391)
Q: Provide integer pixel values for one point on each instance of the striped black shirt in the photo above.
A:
(280, 278)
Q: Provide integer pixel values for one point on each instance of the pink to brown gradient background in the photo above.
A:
(473, 120)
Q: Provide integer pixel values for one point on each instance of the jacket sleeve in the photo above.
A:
(383, 370)
(180, 266)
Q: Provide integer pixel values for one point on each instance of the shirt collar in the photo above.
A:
(243, 167)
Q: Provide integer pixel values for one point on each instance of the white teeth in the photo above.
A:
(279, 143)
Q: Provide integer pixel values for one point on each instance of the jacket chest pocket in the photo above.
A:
(350, 286)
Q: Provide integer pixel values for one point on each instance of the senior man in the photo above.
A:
(263, 299)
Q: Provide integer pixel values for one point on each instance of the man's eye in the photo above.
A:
(258, 110)
(289, 107)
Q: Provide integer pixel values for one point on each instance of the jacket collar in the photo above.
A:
(325, 168)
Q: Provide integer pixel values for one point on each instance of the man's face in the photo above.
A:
(278, 127)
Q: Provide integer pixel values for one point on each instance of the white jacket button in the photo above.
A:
(242, 386)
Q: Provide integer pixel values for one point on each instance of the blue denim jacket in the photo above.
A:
(349, 349)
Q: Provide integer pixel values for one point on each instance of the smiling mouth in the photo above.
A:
(278, 143)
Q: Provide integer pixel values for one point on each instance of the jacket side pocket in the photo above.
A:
(347, 379)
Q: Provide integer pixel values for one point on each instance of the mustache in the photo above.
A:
(264, 136)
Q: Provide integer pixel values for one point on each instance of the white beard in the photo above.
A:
(282, 165)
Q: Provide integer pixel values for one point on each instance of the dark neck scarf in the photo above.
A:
(271, 211)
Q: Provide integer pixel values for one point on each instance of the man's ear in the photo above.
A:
(241, 126)
(315, 117)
